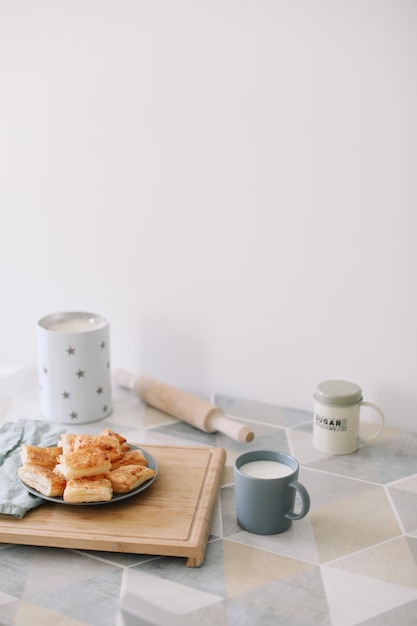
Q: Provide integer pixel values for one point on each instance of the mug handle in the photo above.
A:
(305, 501)
(381, 417)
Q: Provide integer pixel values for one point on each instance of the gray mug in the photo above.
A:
(265, 488)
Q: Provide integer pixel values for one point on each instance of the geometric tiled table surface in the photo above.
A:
(351, 561)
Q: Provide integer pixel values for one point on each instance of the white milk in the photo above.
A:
(74, 325)
(266, 469)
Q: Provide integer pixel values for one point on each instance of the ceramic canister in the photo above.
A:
(337, 406)
(74, 367)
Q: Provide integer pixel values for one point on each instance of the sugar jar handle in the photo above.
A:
(381, 417)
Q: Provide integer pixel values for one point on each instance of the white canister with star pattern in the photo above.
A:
(74, 367)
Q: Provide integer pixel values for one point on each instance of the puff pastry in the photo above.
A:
(66, 441)
(107, 443)
(82, 463)
(43, 479)
(108, 431)
(131, 457)
(88, 490)
(129, 477)
(36, 455)
(122, 440)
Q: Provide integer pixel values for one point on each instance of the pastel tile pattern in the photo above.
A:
(405, 503)
(391, 561)
(352, 561)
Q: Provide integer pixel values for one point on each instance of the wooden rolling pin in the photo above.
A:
(183, 406)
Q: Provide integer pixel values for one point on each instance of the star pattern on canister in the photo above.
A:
(75, 380)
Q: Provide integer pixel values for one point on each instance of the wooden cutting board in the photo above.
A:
(170, 518)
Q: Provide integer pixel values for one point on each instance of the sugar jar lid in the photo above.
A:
(339, 392)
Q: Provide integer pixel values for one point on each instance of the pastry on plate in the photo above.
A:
(130, 457)
(43, 479)
(66, 441)
(109, 431)
(124, 446)
(88, 490)
(107, 443)
(129, 477)
(83, 463)
(36, 455)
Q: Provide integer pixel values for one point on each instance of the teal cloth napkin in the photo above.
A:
(14, 498)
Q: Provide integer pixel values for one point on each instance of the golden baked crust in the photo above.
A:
(36, 455)
(43, 479)
(108, 444)
(88, 490)
(131, 457)
(129, 477)
(58, 469)
(83, 463)
(111, 433)
(66, 441)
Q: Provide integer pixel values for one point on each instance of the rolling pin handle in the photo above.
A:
(217, 421)
(124, 379)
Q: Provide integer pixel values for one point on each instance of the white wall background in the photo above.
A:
(232, 182)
